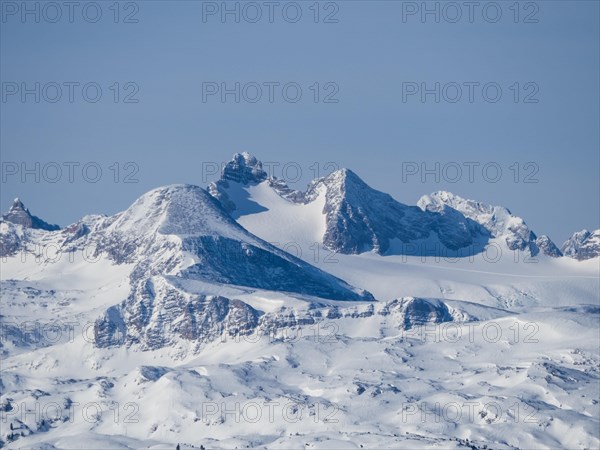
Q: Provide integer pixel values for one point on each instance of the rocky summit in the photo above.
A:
(20, 215)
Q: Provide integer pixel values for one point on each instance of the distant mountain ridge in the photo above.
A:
(359, 218)
(356, 219)
(183, 300)
(189, 254)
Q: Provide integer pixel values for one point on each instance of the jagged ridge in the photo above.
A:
(359, 218)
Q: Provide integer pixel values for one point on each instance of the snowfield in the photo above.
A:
(241, 317)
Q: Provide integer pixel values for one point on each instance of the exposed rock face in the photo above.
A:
(17, 238)
(244, 168)
(360, 218)
(17, 228)
(583, 245)
(180, 317)
(219, 191)
(497, 220)
(159, 315)
(418, 311)
(548, 247)
(20, 215)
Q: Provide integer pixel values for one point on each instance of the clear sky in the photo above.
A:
(374, 57)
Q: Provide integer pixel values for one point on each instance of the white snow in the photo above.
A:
(289, 225)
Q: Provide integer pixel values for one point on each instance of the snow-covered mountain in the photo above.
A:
(359, 218)
(181, 230)
(347, 216)
(583, 245)
(179, 234)
(498, 220)
(176, 322)
(18, 227)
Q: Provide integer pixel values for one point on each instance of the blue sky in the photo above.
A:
(366, 60)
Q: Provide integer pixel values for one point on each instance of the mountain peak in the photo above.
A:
(344, 174)
(582, 245)
(342, 181)
(244, 168)
(178, 209)
(20, 215)
(17, 204)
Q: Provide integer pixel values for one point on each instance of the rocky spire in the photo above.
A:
(244, 168)
(20, 215)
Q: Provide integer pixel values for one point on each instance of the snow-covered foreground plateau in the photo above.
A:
(253, 316)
